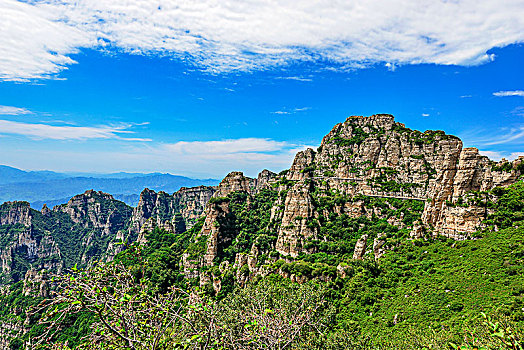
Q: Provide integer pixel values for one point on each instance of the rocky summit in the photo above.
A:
(366, 167)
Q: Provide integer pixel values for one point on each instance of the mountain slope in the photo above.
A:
(12, 175)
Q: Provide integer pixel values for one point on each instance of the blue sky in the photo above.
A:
(87, 86)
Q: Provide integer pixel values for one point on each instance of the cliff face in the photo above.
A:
(89, 227)
(165, 211)
(221, 225)
(452, 210)
(13, 213)
(370, 180)
(377, 157)
(98, 211)
(22, 239)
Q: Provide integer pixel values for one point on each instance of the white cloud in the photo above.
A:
(519, 110)
(515, 155)
(483, 138)
(36, 42)
(492, 154)
(497, 156)
(466, 96)
(38, 37)
(53, 132)
(509, 93)
(303, 109)
(515, 135)
(292, 111)
(9, 110)
(425, 114)
(296, 78)
(192, 158)
(391, 66)
(227, 148)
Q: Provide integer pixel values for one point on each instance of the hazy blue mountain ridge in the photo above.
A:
(39, 187)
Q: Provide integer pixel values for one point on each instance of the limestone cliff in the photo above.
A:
(161, 209)
(90, 226)
(98, 211)
(220, 227)
(378, 157)
(22, 238)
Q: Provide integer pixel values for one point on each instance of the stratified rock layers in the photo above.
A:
(378, 157)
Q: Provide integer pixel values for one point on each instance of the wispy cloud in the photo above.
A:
(492, 154)
(66, 132)
(391, 66)
(225, 148)
(213, 158)
(466, 96)
(296, 78)
(36, 42)
(292, 111)
(9, 110)
(518, 111)
(509, 93)
(243, 36)
(425, 114)
(514, 136)
(495, 155)
(303, 109)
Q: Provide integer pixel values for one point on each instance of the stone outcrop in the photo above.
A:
(360, 248)
(22, 240)
(293, 230)
(12, 213)
(449, 211)
(218, 230)
(378, 244)
(160, 209)
(96, 215)
(216, 226)
(192, 202)
(215, 229)
(236, 181)
(35, 283)
(97, 210)
(302, 165)
(90, 226)
(264, 180)
(378, 157)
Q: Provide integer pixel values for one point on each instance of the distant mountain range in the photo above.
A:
(51, 188)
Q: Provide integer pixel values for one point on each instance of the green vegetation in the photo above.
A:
(509, 207)
(504, 167)
(248, 222)
(433, 293)
(423, 294)
(357, 137)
